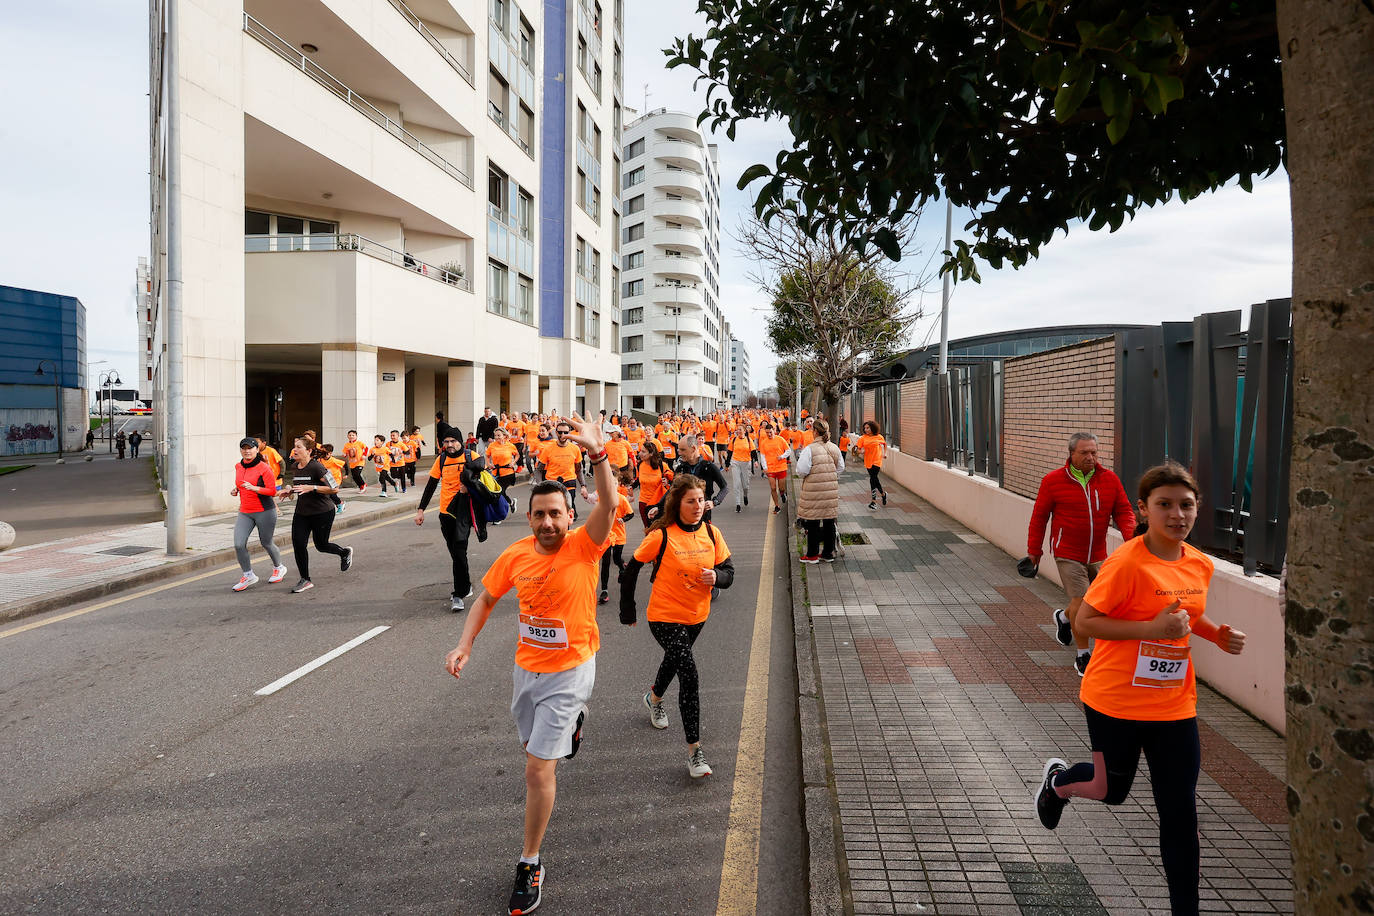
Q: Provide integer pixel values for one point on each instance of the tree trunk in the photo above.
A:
(1328, 71)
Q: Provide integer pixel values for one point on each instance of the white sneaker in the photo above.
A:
(278, 573)
(697, 766)
(249, 578)
(382, 495)
(658, 716)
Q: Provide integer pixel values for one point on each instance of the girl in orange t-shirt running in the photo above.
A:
(1139, 691)
(654, 477)
(623, 513)
(874, 449)
(688, 559)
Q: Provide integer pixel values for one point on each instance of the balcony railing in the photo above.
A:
(253, 244)
(287, 52)
(433, 40)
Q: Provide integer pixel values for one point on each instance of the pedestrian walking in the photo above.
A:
(554, 573)
(819, 466)
(256, 489)
(453, 475)
(135, 440)
(486, 428)
(121, 442)
(689, 562)
(1140, 692)
(741, 452)
(1077, 501)
(312, 486)
(90, 439)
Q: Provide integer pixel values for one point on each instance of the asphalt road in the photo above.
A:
(143, 775)
(50, 501)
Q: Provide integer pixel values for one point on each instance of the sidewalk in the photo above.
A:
(55, 574)
(943, 692)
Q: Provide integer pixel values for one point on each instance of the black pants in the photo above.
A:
(133, 450)
(571, 485)
(874, 484)
(357, 475)
(505, 482)
(1174, 753)
(306, 527)
(615, 555)
(456, 538)
(820, 537)
(676, 640)
(410, 472)
(397, 477)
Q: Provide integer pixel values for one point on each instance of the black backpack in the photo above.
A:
(663, 548)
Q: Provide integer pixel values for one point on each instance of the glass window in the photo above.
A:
(256, 223)
(524, 302)
(635, 149)
(525, 214)
(634, 233)
(526, 43)
(634, 205)
(632, 371)
(634, 316)
(496, 191)
(634, 344)
(635, 177)
(634, 261)
(634, 288)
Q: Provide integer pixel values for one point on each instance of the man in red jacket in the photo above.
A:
(1082, 497)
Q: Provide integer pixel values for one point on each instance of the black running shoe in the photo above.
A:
(304, 585)
(1063, 633)
(577, 733)
(1048, 805)
(1080, 663)
(884, 495)
(528, 883)
(746, 499)
(346, 560)
(604, 597)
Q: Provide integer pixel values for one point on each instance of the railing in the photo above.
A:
(433, 40)
(287, 52)
(349, 242)
(496, 114)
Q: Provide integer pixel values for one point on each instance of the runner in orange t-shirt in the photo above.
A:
(554, 575)
(355, 453)
(654, 475)
(502, 459)
(458, 514)
(562, 461)
(623, 513)
(741, 453)
(1139, 691)
(874, 449)
(774, 451)
(381, 462)
(687, 558)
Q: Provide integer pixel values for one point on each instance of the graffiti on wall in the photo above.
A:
(28, 432)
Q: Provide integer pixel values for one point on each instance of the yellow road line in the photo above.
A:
(218, 570)
(739, 875)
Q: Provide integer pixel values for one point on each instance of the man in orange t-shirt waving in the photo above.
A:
(554, 573)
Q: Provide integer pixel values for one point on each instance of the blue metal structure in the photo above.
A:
(553, 178)
(36, 325)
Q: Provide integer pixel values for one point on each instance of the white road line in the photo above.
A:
(324, 659)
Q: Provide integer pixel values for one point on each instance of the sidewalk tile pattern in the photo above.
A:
(944, 694)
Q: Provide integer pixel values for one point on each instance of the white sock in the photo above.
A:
(530, 860)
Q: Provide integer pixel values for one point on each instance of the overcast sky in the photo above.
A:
(74, 190)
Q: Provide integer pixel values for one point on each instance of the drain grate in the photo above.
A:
(1047, 888)
(854, 537)
(128, 551)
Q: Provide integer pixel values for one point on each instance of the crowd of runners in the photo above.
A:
(1130, 613)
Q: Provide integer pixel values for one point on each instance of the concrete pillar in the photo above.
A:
(492, 397)
(348, 391)
(559, 395)
(524, 392)
(391, 391)
(424, 402)
(594, 398)
(467, 388)
(612, 399)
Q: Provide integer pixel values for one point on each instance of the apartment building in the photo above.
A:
(388, 208)
(672, 334)
(143, 324)
(739, 372)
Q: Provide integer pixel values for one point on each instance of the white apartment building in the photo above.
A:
(143, 322)
(739, 372)
(672, 328)
(388, 208)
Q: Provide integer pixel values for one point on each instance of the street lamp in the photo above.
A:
(108, 380)
(57, 390)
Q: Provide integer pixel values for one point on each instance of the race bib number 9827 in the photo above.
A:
(1160, 665)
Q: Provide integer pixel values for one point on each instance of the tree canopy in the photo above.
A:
(1032, 114)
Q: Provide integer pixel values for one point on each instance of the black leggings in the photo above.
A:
(410, 471)
(505, 482)
(820, 537)
(306, 527)
(357, 475)
(1174, 753)
(615, 555)
(458, 553)
(874, 484)
(676, 640)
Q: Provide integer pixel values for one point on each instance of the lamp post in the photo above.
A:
(57, 389)
(108, 379)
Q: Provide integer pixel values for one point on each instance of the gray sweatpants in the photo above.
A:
(266, 523)
(739, 479)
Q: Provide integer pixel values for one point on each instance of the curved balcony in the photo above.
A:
(679, 181)
(680, 210)
(684, 269)
(664, 322)
(663, 119)
(689, 240)
(683, 352)
(684, 297)
(679, 153)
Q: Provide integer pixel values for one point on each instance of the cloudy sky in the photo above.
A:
(73, 192)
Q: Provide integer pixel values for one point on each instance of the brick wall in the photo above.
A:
(913, 418)
(1047, 397)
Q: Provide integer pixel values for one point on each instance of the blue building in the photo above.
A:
(37, 326)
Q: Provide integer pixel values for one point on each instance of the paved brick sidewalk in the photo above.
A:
(944, 692)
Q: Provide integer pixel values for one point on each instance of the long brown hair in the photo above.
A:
(672, 506)
(653, 454)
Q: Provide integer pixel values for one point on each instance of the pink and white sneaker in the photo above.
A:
(249, 578)
(278, 573)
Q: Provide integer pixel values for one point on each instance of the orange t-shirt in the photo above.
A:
(635, 436)
(450, 484)
(653, 485)
(501, 456)
(679, 595)
(556, 629)
(669, 448)
(560, 460)
(336, 468)
(618, 453)
(872, 447)
(622, 509)
(381, 457)
(723, 431)
(355, 452)
(415, 445)
(708, 428)
(740, 447)
(772, 448)
(273, 460)
(531, 432)
(1131, 678)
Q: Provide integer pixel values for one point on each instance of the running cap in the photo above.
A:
(248, 442)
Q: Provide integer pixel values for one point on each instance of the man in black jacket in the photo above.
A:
(443, 431)
(454, 475)
(486, 427)
(692, 461)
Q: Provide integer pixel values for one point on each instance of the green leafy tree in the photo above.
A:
(1039, 115)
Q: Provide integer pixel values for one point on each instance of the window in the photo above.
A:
(634, 205)
(634, 261)
(635, 149)
(499, 13)
(637, 401)
(596, 266)
(634, 233)
(497, 299)
(279, 232)
(615, 337)
(582, 53)
(634, 288)
(582, 189)
(634, 344)
(524, 299)
(526, 128)
(580, 323)
(524, 214)
(635, 177)
(596, 79)
(596, 141)
(581, 249)
(632, 371)
(497, 184)
(526, 43)
(583, 123)
(496, 97)
(634, 316)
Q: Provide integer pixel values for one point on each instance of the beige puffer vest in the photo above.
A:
(820, 490)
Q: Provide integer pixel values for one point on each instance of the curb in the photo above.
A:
(827, 871)
(176, 568)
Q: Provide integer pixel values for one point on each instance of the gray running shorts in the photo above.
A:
(545, 707)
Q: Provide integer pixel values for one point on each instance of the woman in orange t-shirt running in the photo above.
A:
(688, 559)
(1139, 691)
(654, 477)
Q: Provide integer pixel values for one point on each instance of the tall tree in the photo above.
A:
(1040, 115)
(837, 311)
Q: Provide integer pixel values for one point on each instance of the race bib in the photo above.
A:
(543, 632)
(1160, 665)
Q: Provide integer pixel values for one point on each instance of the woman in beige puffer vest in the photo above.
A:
(819, 465)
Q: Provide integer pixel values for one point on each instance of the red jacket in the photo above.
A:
(259, 474)
(1081, 514)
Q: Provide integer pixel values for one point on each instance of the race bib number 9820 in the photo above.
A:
(543, 632)
(1160, 665)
